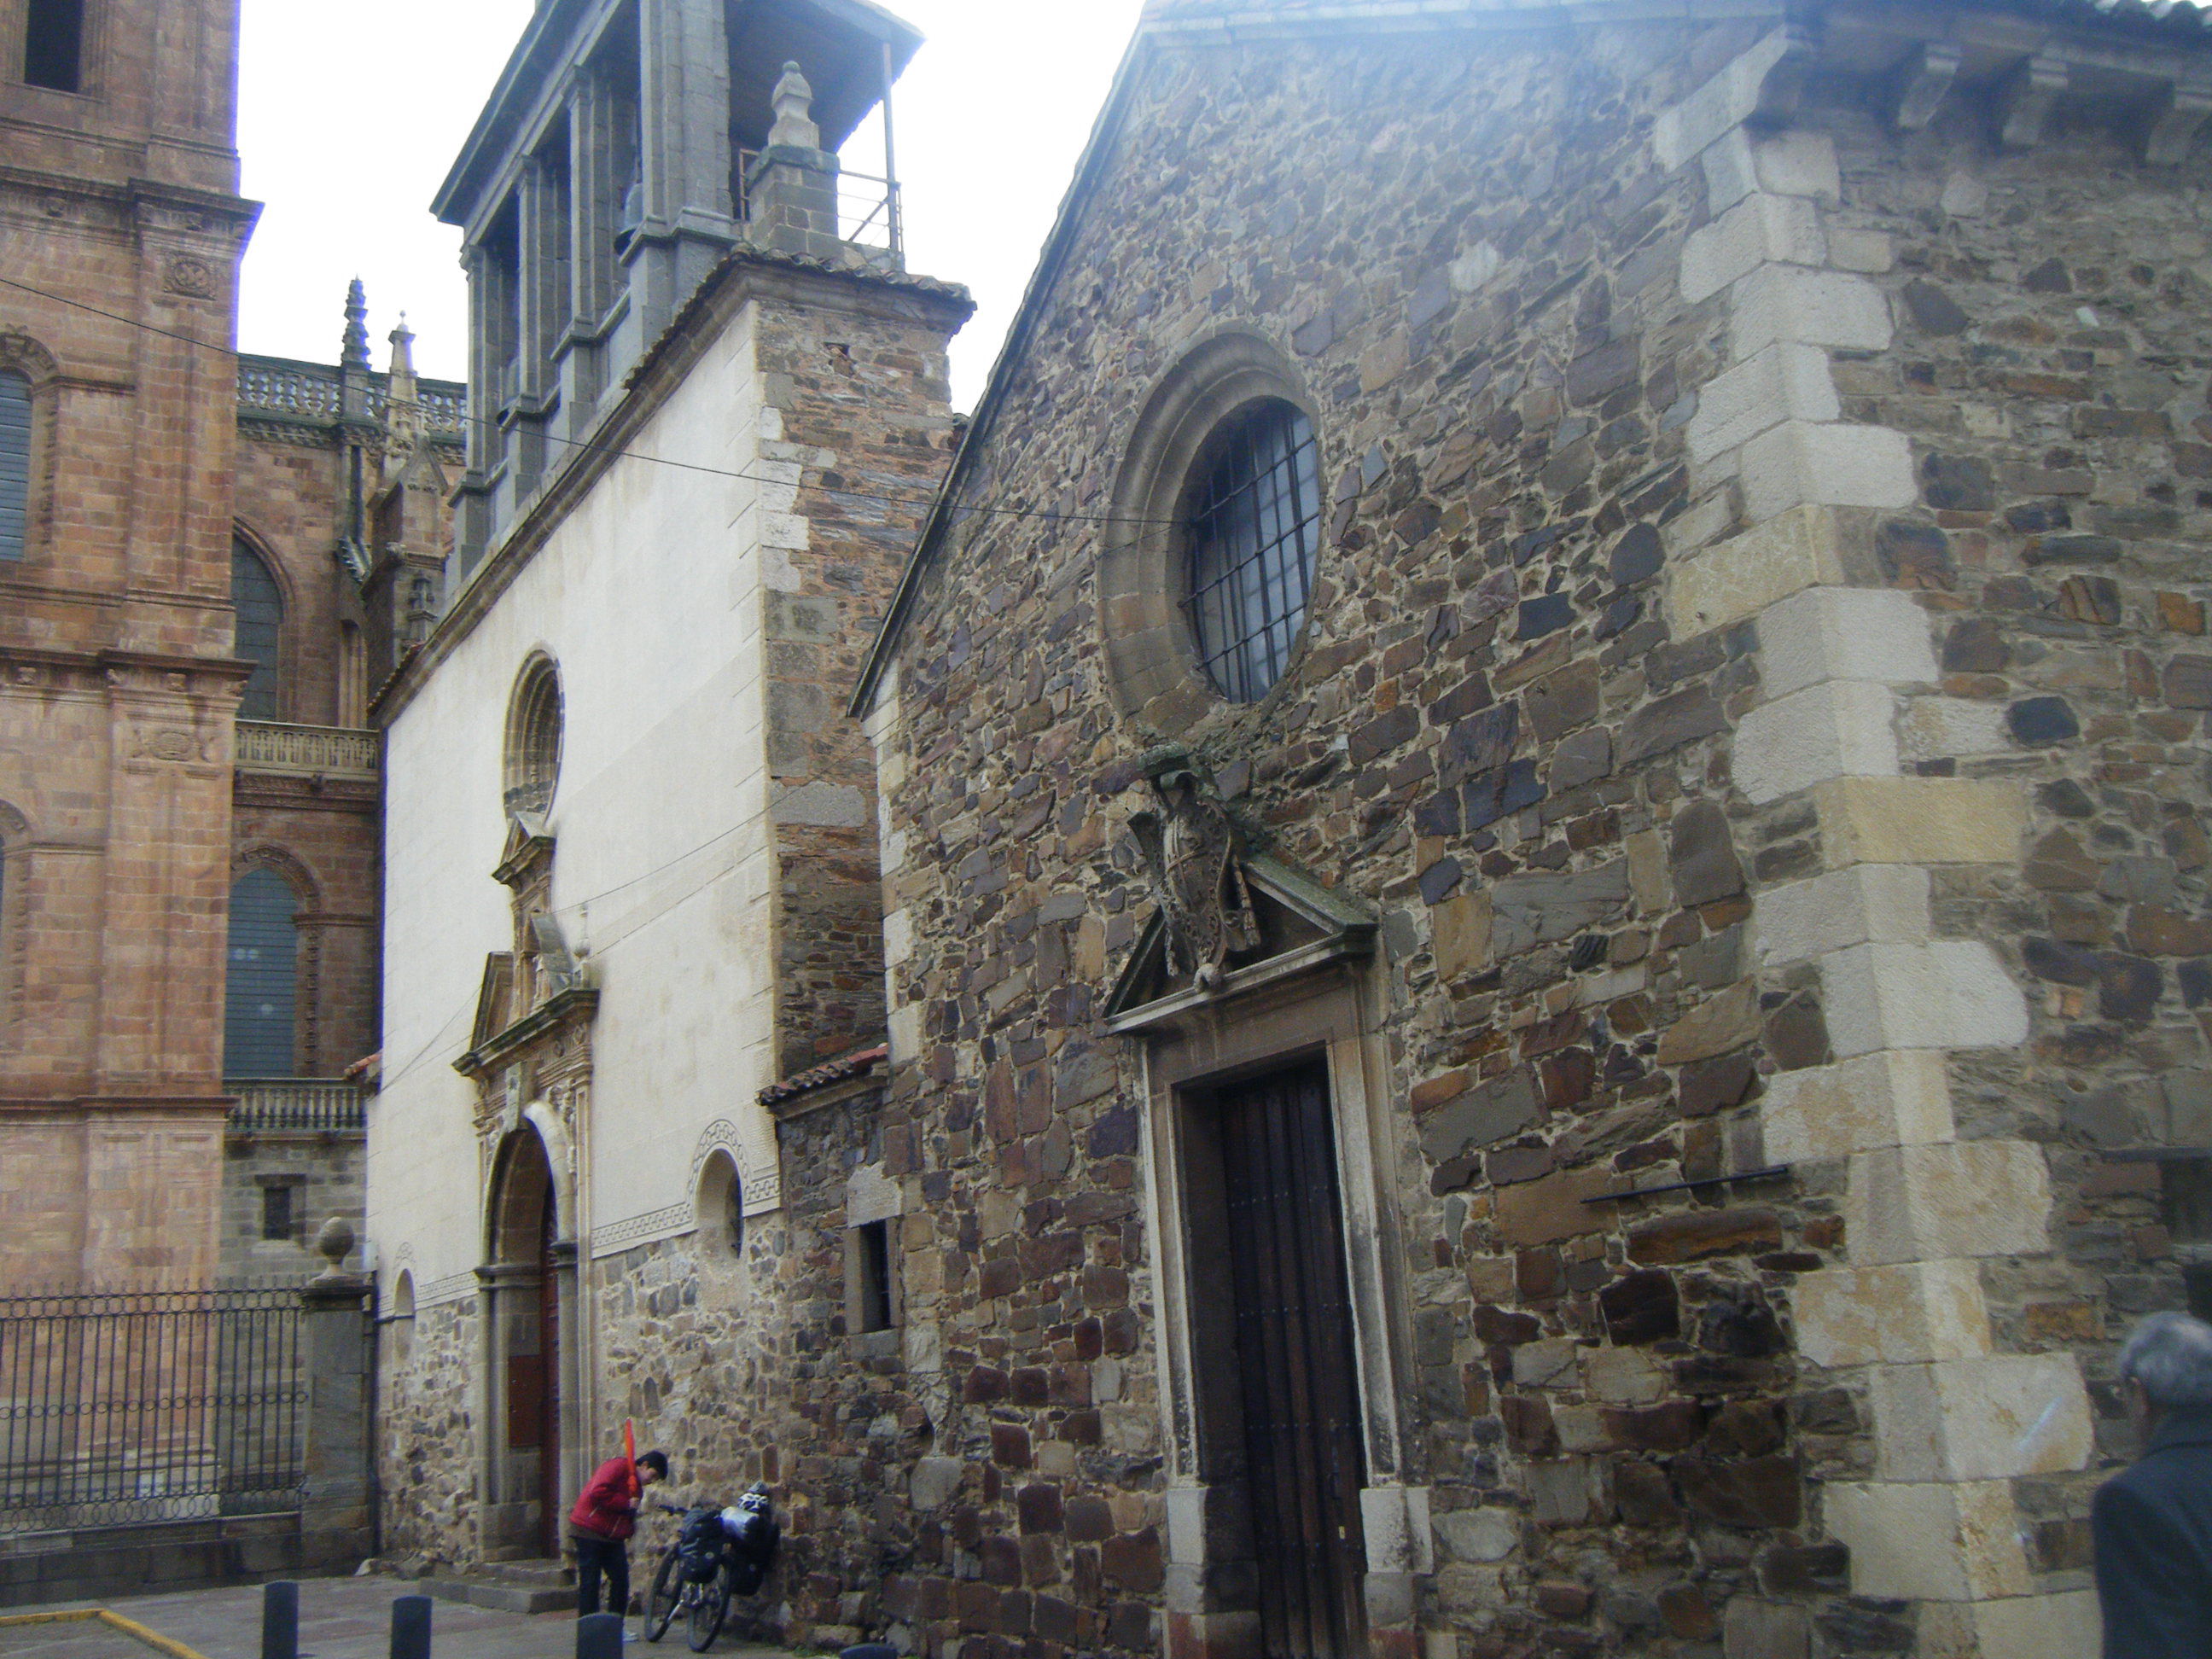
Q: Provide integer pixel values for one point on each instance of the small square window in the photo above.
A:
(276, 1212)
(872, 1243)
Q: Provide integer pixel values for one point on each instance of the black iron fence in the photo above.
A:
(151, 1405)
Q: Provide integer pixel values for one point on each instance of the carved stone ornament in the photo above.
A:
(1195, 857)
(167, 743)
(194, 279)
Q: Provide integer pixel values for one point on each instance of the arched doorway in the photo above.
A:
(525, 1292)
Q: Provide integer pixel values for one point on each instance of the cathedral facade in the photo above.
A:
(200, 558)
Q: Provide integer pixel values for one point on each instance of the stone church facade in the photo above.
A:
(1567, 656)
(630, 873)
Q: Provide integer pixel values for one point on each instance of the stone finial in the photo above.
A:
(334, 1244)
(795, 127)
(403, 352)
(403, 410)
(356, 353)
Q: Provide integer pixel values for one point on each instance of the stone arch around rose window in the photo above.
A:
(1151, 652)
(534, 723)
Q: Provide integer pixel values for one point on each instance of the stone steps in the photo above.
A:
(510, 1587)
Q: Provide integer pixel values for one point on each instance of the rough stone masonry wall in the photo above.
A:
(1678, 685)
(425, 1439)
(1471, 254)
(1957, 425)
(859, 406)
(741, 1366)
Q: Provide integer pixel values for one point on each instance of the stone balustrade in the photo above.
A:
(319, 751)
(296, 1106)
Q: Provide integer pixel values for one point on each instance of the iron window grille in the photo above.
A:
(1253, 530)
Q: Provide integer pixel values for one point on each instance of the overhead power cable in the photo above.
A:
(835, 492)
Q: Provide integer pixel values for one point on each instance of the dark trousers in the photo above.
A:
(595, 1556)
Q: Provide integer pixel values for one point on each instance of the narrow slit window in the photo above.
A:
(14, 463)
(1255, 522)
(53, 45)
(874, 1241)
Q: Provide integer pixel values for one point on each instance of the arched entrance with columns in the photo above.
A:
(527, 1287)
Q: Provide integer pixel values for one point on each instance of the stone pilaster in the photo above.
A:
(684, 103)
(1846, 669)
(540, 309)
(596, 187)
(338, 1347)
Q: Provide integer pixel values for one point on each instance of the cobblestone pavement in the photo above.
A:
(339, 1618)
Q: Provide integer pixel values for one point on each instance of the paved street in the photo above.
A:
(339, 1618)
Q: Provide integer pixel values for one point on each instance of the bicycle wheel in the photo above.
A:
(711, 1600)
(660, 1604)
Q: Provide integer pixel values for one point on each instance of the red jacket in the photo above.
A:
(608, 1508)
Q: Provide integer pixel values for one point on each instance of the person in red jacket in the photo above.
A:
(600, 1525)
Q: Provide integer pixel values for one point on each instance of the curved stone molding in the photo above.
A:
(1152, 662)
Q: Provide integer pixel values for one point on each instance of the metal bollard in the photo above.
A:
(599, 1636)
(411, 1627)
(280, 1621)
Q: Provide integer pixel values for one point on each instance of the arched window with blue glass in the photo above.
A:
(259, 640)
(261, 996)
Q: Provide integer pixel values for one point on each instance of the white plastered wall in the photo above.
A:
(648, 597)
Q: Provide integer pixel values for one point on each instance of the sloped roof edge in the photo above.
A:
(1221, 21)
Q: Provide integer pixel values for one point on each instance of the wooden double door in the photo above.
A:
(533, 1384)
(1303, 1462)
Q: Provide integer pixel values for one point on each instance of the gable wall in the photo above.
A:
(1629, 1421)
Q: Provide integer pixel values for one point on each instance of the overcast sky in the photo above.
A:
(348, 118)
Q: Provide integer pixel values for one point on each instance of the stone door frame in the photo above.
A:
(1187, 1051)
(507, 1288)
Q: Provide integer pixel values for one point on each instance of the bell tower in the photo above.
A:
(120, 232)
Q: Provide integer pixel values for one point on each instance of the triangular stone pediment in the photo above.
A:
(529, 843)
(1300, 925)
(494, 999)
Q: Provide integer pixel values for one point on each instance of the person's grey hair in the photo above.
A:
(2171, 1355)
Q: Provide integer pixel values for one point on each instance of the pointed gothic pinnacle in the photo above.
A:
(356, 328)
(793, 99)
(403, 349)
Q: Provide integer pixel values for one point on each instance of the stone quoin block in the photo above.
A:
(2062, 1625)
(1920, 821)
(1734, 580)
(1913, 1542)
(1785, 382)
(1897, 1097)
(1723, 102)
(1876, 635)
(1947, 1198)
(1791, 162)
(1904, 1314)
(1758, 229)
(1838, 466)
(1948, 994)
(1936, 727)
(1865, 903)
(1993, 1418)
(1839, 728)
(1816, 308)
